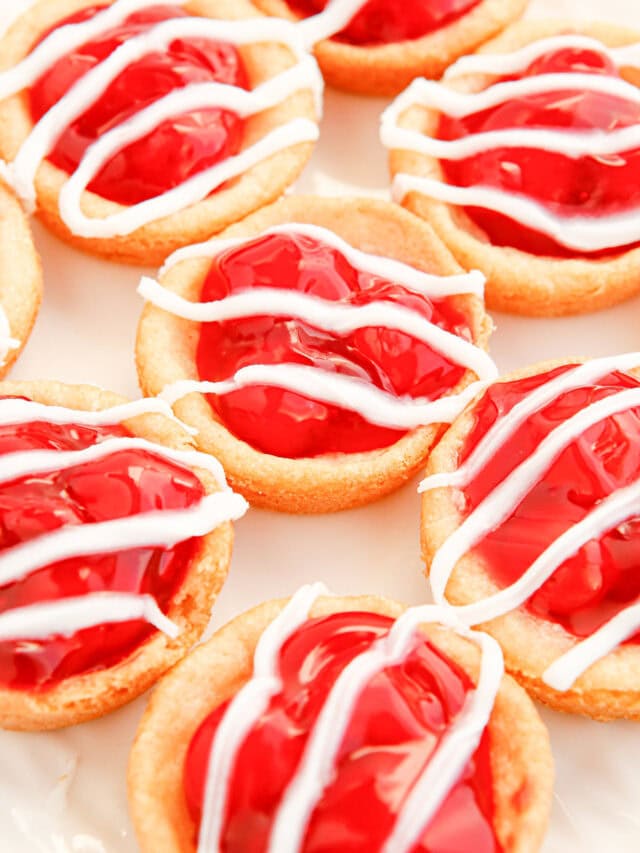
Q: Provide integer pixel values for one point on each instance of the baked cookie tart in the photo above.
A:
(316, 348)
(20, 279)
(377, 47)
(326, 723)
(137, 126)
(115, 542)
(530, 528)
(526, 159)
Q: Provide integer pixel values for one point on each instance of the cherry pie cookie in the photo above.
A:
(341, 724)
(316, 348)
(138, 126)
(20, 279)
(531, 528)
(115, 542)
(525, 160)
(377, 47)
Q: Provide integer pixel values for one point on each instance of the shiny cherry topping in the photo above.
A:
(123, 484)
(586, 186)
(286, 424)
(176, 150)
(399, 720)
(603, 577)
(387, 21)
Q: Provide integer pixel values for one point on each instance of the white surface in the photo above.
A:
(65, 792)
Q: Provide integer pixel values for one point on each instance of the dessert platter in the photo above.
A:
(319, 426)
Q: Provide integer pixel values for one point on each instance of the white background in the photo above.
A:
(65, 792)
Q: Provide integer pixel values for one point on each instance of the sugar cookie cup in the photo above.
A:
(78, 698)
(20, 280)
(519, 282)
(151, 243)
(610, 688)
(387, 69)
(520, 755)
(166, 353)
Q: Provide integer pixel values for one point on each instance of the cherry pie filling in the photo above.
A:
(588, 186)
(123, 484)
(604, 576)
(179, 147)
(387, 21)
(288, 424)
(399, 721)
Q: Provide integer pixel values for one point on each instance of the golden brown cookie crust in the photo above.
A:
(20, 274)
(520, 753)
(519, 282)
(166, 345)
(608, 690)
(151, 244)
(85, 697)
(388, 69)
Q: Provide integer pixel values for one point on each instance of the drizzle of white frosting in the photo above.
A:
(336, 15)
(319, 758)
(354, 395)
(614, 510)
(428, 284)
(7, 343)
(576, 232)
(90, 87)
(328, 315)
(156, 528)
(69, 615)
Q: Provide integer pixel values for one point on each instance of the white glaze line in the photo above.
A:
(26, 462)
(580, 233)
(66, 616)
(193, 190)
(607, 515)
(504, 427)
(157, 528)
(592, 143)
(504, 499)
(354, 395)
(564, 672)
(330, 316)
(246, 708)
(319, 759)
(505, 64)
(336, 15)
(428, 284)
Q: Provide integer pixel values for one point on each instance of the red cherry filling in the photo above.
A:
(587, 186)
(388, 21)
(123, 484)
(178, 148)
(286, 424)
(399, 721)
(604, 576)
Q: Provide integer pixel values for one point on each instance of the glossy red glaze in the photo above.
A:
(387, 21)
(123, 484)
(178, 148)
(586, 186)
(399, 721)
(290, 425)
(604, 576)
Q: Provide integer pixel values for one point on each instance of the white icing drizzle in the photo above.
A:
(304, 75)
(7, 343)
(69, 615)
(576, 232)
(246, 708)
(354, 395)
(428, 284)
(319, 758)
(330, 316)
(614, 510)
(157, 528)
(336, 15)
